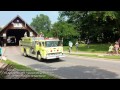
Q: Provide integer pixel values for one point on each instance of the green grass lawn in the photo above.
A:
(93, 48)
(107, 57)
(29, 70)
(96, 48)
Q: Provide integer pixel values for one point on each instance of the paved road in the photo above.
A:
(70, 67)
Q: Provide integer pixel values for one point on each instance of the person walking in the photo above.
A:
(70, 46)
(88, 42)
(77, 45)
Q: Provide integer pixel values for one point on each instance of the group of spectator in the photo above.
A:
(71, 44)
(114, 48)
(77, 44)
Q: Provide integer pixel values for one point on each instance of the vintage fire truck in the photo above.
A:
(42, 48)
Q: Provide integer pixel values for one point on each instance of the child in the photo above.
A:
(111, 49)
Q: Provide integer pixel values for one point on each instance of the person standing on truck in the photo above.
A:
(41, 34)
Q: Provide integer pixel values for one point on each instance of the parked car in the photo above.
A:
(11, 39)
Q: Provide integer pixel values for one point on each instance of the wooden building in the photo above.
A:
(16, 29)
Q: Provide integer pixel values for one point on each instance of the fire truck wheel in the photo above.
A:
(39, 57)
(25, 54)
(58, 59)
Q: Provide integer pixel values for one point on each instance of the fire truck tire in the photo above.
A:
(25, 54)
(39, 57)
(58, 59)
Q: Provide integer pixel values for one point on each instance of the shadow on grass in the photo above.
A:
(94, 48)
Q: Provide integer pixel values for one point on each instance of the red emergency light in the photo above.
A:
(51, 50)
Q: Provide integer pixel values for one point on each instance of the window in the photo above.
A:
(40, 44)
(43, 44)
(52, 43)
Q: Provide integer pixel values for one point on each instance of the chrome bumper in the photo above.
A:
(54, 56)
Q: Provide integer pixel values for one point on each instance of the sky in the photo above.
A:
(7, 16)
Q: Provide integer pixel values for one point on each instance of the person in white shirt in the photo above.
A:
(70, 46)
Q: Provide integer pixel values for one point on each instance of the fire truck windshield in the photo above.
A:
(52, 43)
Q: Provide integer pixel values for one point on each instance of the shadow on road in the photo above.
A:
(78, 72)
(53, 60)
(47, 61)
(83, 72)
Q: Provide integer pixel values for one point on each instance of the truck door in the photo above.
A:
(32, 49)
(42, 48)
(37, 46)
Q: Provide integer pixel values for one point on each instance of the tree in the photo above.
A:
(64, 31)
(41, 23)
(98, 25)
